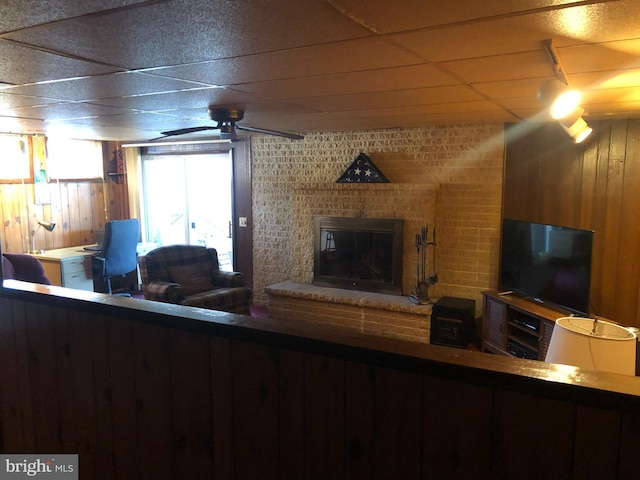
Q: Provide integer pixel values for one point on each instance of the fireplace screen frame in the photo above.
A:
(392, 226)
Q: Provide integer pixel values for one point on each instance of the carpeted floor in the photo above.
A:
(259, 312)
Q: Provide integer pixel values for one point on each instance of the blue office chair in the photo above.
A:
(118, 256)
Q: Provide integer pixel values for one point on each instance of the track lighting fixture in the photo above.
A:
(558, 98)
(578, 130)
(562, 101)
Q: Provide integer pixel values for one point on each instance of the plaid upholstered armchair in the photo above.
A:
(190, 275)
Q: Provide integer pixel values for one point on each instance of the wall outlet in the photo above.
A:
(242, 221)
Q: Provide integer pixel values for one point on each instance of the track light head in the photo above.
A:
(577, 129)
(558, 98)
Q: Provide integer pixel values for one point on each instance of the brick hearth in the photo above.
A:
(391, 316)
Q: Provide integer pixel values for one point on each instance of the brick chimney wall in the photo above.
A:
(450, 176)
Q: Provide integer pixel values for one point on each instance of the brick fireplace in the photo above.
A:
(365, 312)
(447, 176)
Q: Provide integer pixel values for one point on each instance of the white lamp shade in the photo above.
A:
(611, 348)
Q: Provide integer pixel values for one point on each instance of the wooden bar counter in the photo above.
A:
(144, 390)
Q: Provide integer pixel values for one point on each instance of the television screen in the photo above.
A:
(549, 263)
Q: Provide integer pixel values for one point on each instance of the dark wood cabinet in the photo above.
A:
(515, 326)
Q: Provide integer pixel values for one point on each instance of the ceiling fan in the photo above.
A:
(226, 119)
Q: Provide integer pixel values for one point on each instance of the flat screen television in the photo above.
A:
(549, 263)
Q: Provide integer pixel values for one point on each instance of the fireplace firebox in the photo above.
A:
(358, 253)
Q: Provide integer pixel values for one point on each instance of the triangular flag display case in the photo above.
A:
(362, 170)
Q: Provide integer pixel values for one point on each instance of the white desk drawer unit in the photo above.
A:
(68, 267)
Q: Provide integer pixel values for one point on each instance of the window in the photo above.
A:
(15, 160)
(69, 159)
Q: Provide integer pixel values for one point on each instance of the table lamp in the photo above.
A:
(593, 344)
(48, 226)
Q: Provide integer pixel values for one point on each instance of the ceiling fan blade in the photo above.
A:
(292, 136)
(184, 131)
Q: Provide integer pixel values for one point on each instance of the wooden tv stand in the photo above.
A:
(516, 326)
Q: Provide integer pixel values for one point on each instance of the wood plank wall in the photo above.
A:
(139, 394)
(594, 186)
(77, 208)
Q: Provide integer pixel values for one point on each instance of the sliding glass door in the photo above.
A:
(189, 200)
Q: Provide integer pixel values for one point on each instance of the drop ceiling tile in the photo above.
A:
(341, 103)
(610, 95)
(319, 122)
(502, 67)
(335, 57)
(510, 88)
(409, 121)
(613, 110)
(9, 100)
(11, 124)
(31, 12)
(592, 23)
(417, 14)
(184, 31)
(417, 110)
(397, 78)
(26, 65)
(95, 87)
(601, 57)
(61, 111)
(195, 98)
(606, 79)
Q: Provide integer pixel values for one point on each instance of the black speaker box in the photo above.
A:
(453, 322)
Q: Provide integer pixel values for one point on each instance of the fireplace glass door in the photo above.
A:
(358, 253)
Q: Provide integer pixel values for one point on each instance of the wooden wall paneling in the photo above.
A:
(255, 392)
(629, 441)
(598, 286)
(242, 199)
(609, 280)
(560, 179)
(66, 385)
(291, 414)
(85, 207)
(14, 233)
(103, 394)
(192, 415)
(324, 417)
(222, 407)
(98, 208)
(588, 188)
(596, 457)
(522, 168)
(22, 360)
(65, 209)
(124, 403)
(55, 210)
(628, 287)
(547, 429)
(42, 375)
(153, 388)
(11, 428)
(77, 349)
(398, 424)
(75, 213)
(462, 418)
(359, 420)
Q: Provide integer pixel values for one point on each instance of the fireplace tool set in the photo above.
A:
(421, 293)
